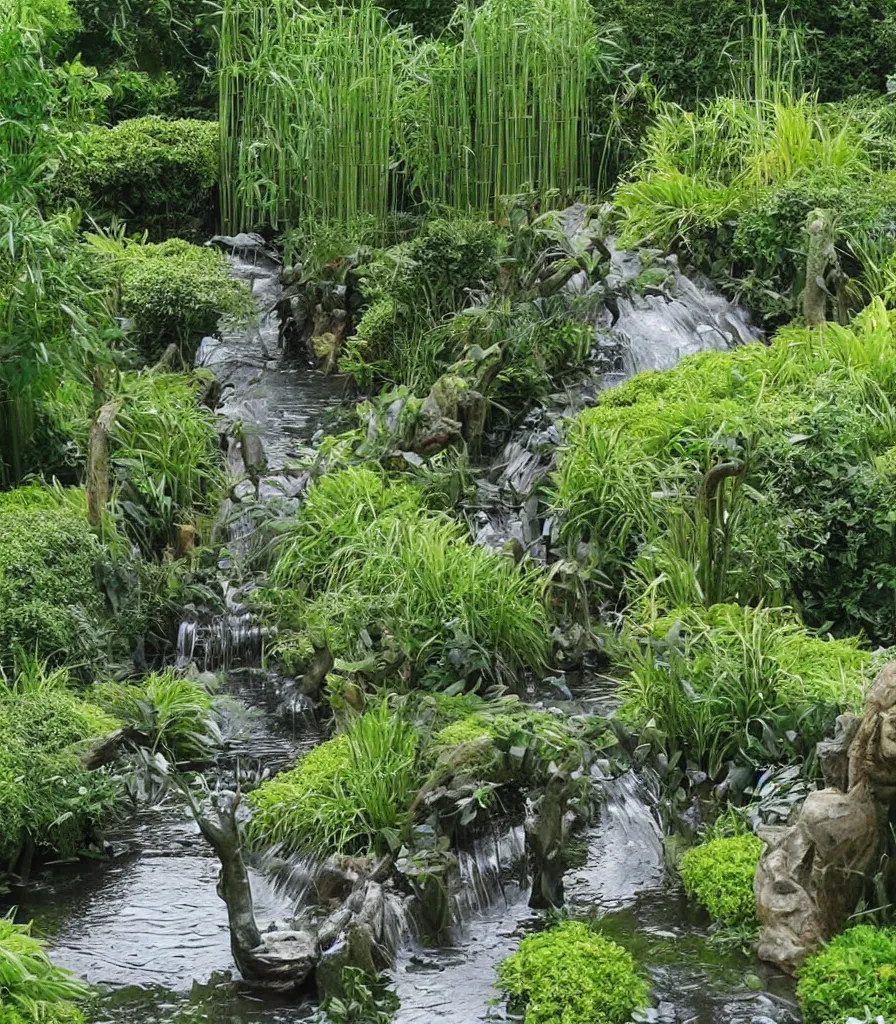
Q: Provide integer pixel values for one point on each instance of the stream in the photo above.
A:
(146, 925)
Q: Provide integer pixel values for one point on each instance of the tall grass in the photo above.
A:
(319, 107)
(30, 982)
(309, 103)
(507, 109)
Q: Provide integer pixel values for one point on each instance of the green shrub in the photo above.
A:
(719, 876)
(732, 184)
(352, 793)
(382, 573)
(166, 460)
(687, 46)
(46, 797)
(808, 418)
(573, 974)
(157, 175)
(138, 94)
(727, 681)
(170, 715)
(175, 292)
(32, 989)
(50, 604)
(853, 972)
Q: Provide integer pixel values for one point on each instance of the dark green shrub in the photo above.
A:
(687, 46)
(137, 94)
(177, 292)
(852, 973)
(155, 174)
(50, 604)
(719, 876)
(32, 989)
(573, 974)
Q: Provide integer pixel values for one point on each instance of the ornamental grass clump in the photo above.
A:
(728, 681)
(571, 973)
(364, 566)
(33, 990)
(852, 976)
(350, 794)
(719, 876)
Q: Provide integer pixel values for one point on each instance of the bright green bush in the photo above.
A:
(806, 520)
(177, 292)
(170, 715)
(855, 971)
(728, 680)
(32, 989)
(155, 174)
(382, 573)
(50, 603)
(352, 793)
(572, 974)
(719, 876)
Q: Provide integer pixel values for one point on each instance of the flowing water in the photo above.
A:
(147, 926)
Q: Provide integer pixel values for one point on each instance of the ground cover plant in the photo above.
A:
(719, 875)
(852, 974)
(572, 973)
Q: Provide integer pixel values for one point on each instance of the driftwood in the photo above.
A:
(280, 960)
(812, 874)
(98, 462)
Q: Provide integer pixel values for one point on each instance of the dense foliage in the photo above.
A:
(48, 800)
(719, 876)
(851, 974)
(789, 439)
(32, 989)
(50, 603)
(364, 568)
(728, 682)
(572, 973)
(155, 174)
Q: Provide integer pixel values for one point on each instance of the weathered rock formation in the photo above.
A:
(812, 874)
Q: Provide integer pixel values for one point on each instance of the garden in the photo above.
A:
(447, 511)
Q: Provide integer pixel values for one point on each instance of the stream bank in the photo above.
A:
(148, 927)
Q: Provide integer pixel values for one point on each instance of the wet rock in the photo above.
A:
(812, 874)
(360, 941)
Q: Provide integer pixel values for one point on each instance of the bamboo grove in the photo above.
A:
(331, 114)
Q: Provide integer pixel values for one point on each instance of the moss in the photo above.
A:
(50, 604)
(854, 971)
(719, 876)
(572, 974)
(152, 173)
(175, 292)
